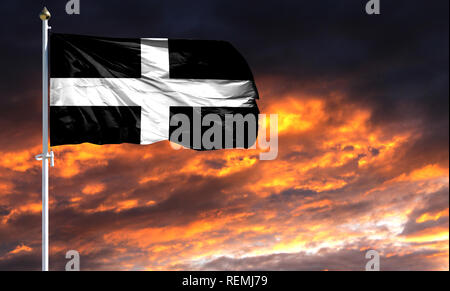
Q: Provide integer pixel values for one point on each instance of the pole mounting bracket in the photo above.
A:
(49, 156)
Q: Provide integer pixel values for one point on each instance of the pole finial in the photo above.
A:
(45, 14)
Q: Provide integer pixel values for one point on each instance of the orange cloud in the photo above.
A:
(181, 209)
(93, 189)
(20, 249)
(430, 235)
(432, 216)
(21, 161)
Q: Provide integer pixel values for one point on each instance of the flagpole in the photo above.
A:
(45, 156)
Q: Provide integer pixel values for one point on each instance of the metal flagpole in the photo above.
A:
(46, 155)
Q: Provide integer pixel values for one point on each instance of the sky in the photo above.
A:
(363, 159)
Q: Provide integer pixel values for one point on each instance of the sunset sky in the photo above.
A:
(363, 145)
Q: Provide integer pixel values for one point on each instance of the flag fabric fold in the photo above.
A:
(117, 90)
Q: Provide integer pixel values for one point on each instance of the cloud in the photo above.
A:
(326, 260)
(431, 214)
(173, 210)
(363, 148)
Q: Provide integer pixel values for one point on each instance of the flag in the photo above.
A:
(126, 90)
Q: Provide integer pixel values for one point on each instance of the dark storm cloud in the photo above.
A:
(182, 199)
(326, 259)
(21, 262)
(432, 204)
